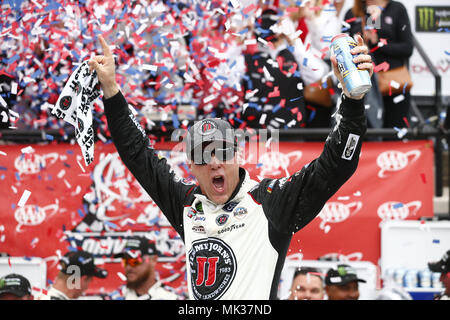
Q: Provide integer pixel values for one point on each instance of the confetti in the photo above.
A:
(3, 102)
(236, 4)
(23, 199)
(423, 177)
(397, 205)
(394, 84)
(384, 66)
(398, 98)
(28, 149)
(121, 276)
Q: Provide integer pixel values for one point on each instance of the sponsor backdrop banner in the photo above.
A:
(52, 203)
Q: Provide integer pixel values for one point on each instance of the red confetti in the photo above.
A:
(384, 66)
(424, 178)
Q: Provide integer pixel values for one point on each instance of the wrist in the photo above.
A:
(347, 95)
(110, 91)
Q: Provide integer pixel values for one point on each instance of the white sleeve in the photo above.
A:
(312, 67)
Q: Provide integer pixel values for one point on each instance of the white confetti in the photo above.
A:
(61, 173)
(398, 98)
(150, 67)
(23, 199)
(394, 84)
(235, 3)
(3, 102)
(14, 87)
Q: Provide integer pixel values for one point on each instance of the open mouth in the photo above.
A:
(218, 183)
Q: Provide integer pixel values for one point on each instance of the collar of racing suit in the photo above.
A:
(236, 195)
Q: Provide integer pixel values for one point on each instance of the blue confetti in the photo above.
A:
(111, 225)
(397, 205)
(175, 121)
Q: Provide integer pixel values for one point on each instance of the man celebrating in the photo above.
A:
(236, 230)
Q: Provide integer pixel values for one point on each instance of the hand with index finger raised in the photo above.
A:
(105, 67)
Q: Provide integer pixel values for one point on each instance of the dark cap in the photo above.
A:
(343, 275)
(137, 246)
(208, 130)
(84, 261)
(15, 284)
(442, 265)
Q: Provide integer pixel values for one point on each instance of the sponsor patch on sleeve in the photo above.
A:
(350, 146)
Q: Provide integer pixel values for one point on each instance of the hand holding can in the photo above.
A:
(352, 65)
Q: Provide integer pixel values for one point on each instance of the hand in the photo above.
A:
(106, 70)
(363, 62)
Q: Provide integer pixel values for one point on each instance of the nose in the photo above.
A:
(215, 163)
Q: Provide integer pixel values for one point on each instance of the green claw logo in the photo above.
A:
(426, 18)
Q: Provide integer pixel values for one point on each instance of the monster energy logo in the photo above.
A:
(426, 18)
(430, 19)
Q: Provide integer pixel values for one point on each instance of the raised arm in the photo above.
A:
(292, 202)
(152, 172)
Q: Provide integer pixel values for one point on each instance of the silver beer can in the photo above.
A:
(356, 81)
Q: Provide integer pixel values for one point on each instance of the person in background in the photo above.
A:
(318, 21)
(307, 284)
(386, 28)
(272, 73)
(15, 287)
(342, 283)
(392, 290)
(323, 23)
(442, 266)
(139, 258)
(73, 280)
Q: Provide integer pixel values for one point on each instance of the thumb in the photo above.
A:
(333, 60)
(335, 66)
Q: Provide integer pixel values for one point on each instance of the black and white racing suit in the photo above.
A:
(237, 250)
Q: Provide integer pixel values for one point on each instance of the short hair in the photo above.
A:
(308, 270)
